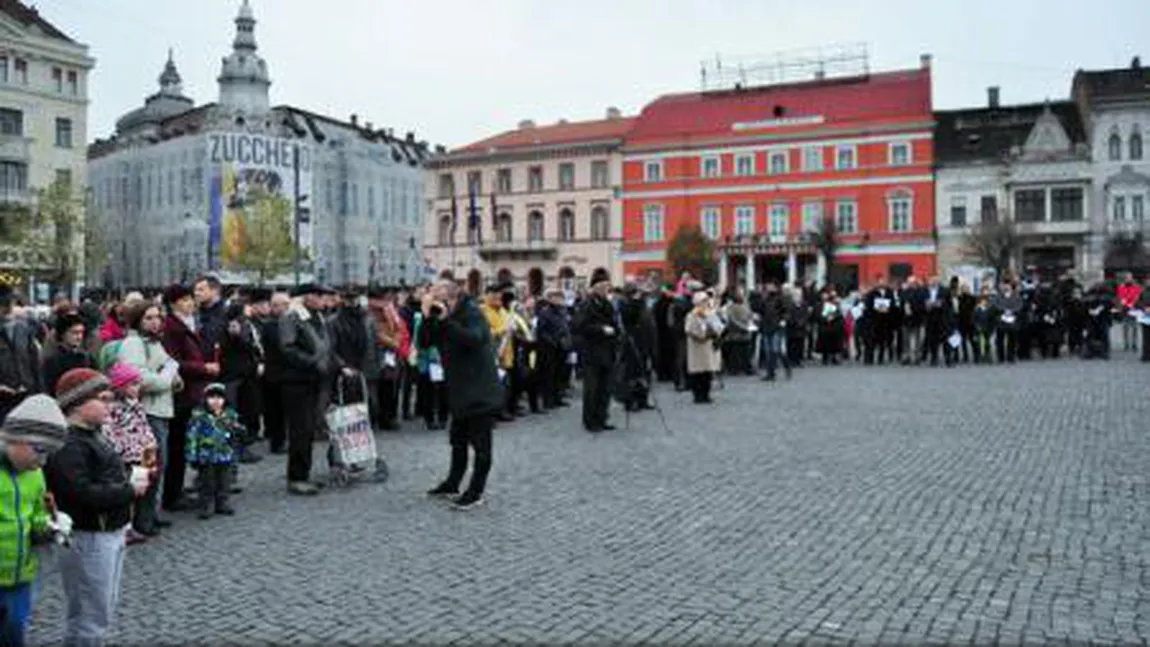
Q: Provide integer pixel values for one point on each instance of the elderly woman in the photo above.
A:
(703, 328)
(738, 337)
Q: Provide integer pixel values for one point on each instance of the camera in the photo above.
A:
(436, 311)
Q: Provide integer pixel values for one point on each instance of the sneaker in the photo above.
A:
(609, 427)
(467, 501)
(443, 490)
(302, 488)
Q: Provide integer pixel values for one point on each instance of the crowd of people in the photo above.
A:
(118, 400)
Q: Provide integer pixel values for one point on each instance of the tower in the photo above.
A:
(243, 79)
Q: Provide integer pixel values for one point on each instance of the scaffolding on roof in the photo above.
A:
(789, 66)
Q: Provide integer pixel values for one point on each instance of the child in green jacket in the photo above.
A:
(31, 431)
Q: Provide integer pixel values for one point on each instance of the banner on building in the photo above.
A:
(241, 162)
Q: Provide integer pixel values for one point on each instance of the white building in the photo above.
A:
(1115, 106)
(164, 186)
(43, 111)
(1030, 163)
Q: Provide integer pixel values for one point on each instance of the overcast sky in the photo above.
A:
(455, 71)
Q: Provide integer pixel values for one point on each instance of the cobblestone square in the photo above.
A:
(850, 505)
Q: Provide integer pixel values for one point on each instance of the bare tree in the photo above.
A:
(993, 243)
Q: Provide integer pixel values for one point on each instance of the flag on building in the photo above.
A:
(494, 215)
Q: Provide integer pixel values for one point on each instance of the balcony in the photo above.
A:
(519, 250)
(14, 148)
(1052, 227)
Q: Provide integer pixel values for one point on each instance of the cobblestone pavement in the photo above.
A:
(867, 505)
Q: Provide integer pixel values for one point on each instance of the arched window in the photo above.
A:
(1136, 146)
(445, 230)
(535, 226)
(1115, 147)
(566, 225)
(503, 231)
(600, 223)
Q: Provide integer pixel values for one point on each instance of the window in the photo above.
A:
(600, 223)
(899, 154)
(503, 230)
(744, 221)
(813, 158)
(3, 69)
(847, 217)
(780, 220)
(535, 179)
(600, 177)
(535, 226)
(1115, 147)
(1137, 208)
(710, 167)
(812, 216)
(503, 180)
(958, 212)
(58, 80)
(1136, 146)
(64, 176)
(474, 182)
(11, 122)
(73, 83)
(744, 165)
(567, 176)
(779, 162)
(21, 71)
(710, 223)
(1066, 204)
(446, 185)
(845, 158)
(445, 230)
(344, 198)
(13, 177)
(653, 223)
(566, 225)
(653, 171)
(1118, 207)
(371, 202)
(900, 207)
(988, 208)
(1030, 205)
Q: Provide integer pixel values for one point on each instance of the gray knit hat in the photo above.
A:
(79, 385)
(38, 419)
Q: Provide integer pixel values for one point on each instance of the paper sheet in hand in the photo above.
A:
(389, 359)
(955, 340)
(857, 312)
(882, 304)
(573, 358)
(435, 372)
(1008, 317)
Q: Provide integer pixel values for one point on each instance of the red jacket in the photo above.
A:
(185, 347)
(1128, 294)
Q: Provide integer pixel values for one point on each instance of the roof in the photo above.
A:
(407, 148)
(976, 134)
(29, 16)
(575, 132)
(1120, 83)
(888, 96)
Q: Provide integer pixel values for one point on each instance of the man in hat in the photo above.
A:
(554, 339)
(19, 357)
(595, 325)
(306, 346)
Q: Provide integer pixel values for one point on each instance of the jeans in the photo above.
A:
(90, 571)
(1130, 331)
(473, 432)
(15, 611)
(773, 347)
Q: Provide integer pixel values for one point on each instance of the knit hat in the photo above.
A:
(37, 419)
(79, 385)
(122, 374)
(215, 388)
(599, 276)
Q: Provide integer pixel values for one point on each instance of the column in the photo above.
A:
(723, 279)
(750, 273)
(820, 269)
(792, 267)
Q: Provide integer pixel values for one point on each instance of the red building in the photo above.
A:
(758, 168)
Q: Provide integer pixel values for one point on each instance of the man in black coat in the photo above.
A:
(912, 298)
(272, 377)
(70, 352)
(772, 312)
(553, 334)
(212, 318)
(638, 349)
(665, 355)
(240, 356)
(936, 300)
(596, 327)
(306, 346)
(878, 305)
(19, 357)
(473, 383)
(353, 345)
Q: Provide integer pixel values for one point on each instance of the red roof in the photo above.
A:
(577, 132)
(708, 115)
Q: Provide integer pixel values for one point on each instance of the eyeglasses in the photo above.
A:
(39, 449)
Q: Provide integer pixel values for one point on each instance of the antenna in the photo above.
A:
(818, 63)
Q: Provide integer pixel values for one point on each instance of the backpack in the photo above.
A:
(109, 353)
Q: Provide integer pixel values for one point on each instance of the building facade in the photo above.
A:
(43, 113)
(757, 169)
(166, 186)
(1115, 108)
(1026, 163)
(535, 206)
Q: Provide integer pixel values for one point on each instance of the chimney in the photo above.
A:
(410, 138)
(1136, 63)
(562, 122)
(367, 126)
(614, 113)
(924, 61)
(526, 124)
(992, 96)
(354, 119)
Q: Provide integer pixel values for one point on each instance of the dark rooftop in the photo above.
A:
(1125, 82)
(28, 16)
(989, 134)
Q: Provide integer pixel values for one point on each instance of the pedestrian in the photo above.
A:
(473, 385)
(241, 354)
(32, 430)
(271, 384)
(553, 334)
(307, 363)
(20, 374)
(772, 313)
(1143, 306)
(390, 345)
(704, 330)
(1007, 308)
(1129, 293)
(69, 352)
(128, 430)
(91, 485)
(213, 433)
(595, 325)
(211, 314)
(432, 389)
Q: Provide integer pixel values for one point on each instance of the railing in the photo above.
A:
(15, 148)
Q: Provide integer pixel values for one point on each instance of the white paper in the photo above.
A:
(573, 358)
(1008, 317)
(882, 304)
(1049, 319)
(857, 312)
(1137, 314)
(389, 359)
(435, 372)
(139, 477)
(502, 374)
(955, 340)
(753, 328)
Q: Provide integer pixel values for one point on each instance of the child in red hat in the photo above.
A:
(128, 430)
